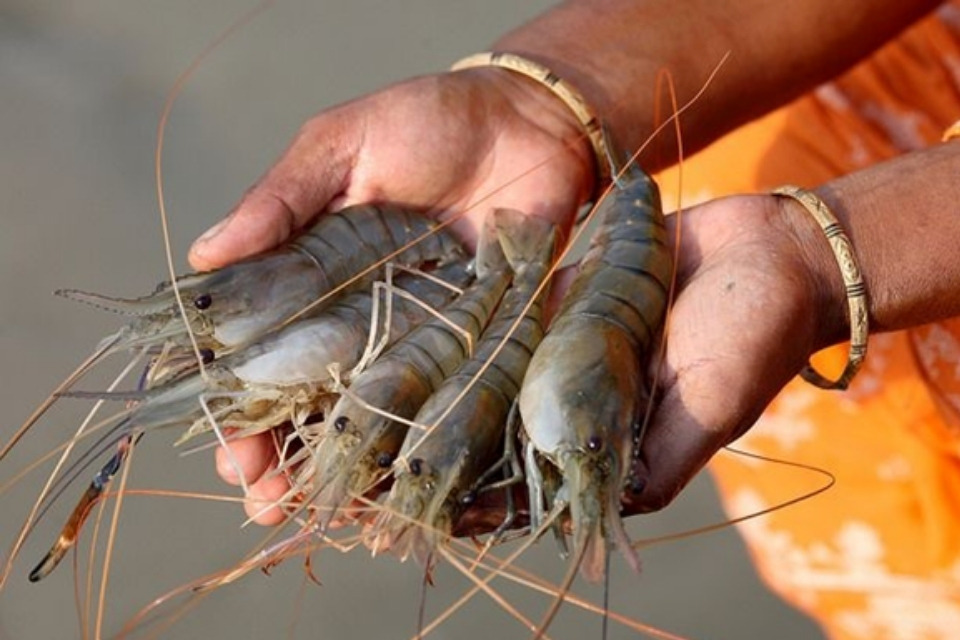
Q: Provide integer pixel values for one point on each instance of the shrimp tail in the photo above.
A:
(489, 258)
(526, 240)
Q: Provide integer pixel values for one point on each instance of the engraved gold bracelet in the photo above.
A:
(556, 85)
(853, 283)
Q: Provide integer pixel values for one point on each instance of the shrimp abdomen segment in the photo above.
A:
(584, 395)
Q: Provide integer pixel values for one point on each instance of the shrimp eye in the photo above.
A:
(341, 424)
(594, 443)
(468, 498)
(207, 355)
(203, 301)
(416, 466)
(637, 485)
(384, 459)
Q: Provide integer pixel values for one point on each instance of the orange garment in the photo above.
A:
(878, 556)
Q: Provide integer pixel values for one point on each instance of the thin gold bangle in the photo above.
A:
(951, 132)
(852, 280)
(566, 92)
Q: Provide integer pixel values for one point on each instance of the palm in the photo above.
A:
(429, 157)
(438, 143)
(740, 329)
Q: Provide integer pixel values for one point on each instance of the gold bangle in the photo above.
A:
(951, 132)
(852, 280)
(559, 87)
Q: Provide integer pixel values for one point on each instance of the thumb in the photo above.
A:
(313, 171)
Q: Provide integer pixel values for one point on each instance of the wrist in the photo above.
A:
(820, 271)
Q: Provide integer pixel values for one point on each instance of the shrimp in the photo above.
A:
(284, 377)
(435, 477)
(361, 435)
(583, 399)
(235, 305)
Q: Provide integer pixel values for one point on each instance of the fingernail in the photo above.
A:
(214, 230)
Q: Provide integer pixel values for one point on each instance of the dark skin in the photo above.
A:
(759, 288)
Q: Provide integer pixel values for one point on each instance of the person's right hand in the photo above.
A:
(468, 141)
(477, 139)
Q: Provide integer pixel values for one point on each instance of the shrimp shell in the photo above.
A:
(286, 376)
(359, 445)
(467, 415)
(235, 305)
(584, 396)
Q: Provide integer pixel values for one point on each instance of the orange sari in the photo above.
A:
(878, 556)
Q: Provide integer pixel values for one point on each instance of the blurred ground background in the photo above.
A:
(81, 88)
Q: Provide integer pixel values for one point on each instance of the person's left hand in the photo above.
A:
(749, 312)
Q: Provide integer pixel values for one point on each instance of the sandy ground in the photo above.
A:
(81, 87)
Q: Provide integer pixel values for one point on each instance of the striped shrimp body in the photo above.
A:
(294, 362)
(583, 398)
(437, 473)
(236, 305)
(284, 377)
(359, 445)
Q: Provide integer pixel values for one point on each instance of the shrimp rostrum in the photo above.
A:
(584, 396)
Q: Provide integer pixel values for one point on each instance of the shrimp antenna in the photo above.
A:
(828, 481)
(605, 623)
(172, 96)
(422, 608)
(664, 77)
(55, 395)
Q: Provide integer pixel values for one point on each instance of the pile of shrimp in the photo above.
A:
(409, 378)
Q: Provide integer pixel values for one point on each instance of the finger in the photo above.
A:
(262, 501)
(249, 456)
(676, 447)
(489, 512)
(309, 175)
(700, 413)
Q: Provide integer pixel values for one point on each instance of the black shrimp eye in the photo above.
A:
(384, 459)
(416, 466)
(341, 423)
(203, 301)
(207, 355)
(468, 498)
(594, 443)
(637, 485)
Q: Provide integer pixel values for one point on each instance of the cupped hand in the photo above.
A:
(749, 310)
(748, 314)
(448, 144)
(745, 317)
(453, 145)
